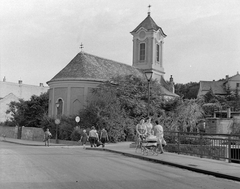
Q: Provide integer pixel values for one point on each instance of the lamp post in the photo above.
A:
(57, 121)
(148, 75)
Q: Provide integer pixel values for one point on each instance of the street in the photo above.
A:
(72, 167)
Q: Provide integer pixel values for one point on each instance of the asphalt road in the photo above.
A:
(33, 167)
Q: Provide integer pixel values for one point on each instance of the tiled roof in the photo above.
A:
(149, 24)
(89, 67)
(85, 66)
(216, 87)
(165, 88)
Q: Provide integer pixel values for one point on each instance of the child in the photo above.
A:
(84, 139)
(47, 136)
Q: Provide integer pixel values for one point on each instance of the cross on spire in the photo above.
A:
(149, 6)
(81, 47)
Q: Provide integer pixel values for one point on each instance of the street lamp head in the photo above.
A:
(148, 75)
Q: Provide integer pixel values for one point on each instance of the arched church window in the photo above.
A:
(76, 107)
(142, 51)
(59, 106)
(157, 53)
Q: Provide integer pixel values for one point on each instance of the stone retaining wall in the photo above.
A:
(27, 133)
(10, 132)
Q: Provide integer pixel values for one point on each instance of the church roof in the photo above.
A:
(85, 66)
(165, 88)
(148, 24)
(89, 67)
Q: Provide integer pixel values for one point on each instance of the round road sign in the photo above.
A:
(77, 119)
(57, 121)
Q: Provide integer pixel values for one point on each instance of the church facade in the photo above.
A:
(71, 88)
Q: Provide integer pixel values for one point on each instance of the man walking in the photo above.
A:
(103, 137)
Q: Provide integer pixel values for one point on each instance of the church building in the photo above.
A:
(71, 87)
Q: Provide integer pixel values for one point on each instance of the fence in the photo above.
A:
(215, 146)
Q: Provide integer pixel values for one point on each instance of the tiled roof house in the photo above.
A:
(222, 87)
(71, 87)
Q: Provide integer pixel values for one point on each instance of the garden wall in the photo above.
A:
(10, 132)
(25, 133)
(218, 126)
(32, 133)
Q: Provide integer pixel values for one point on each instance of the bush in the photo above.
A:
(76, 134)
(214, 152)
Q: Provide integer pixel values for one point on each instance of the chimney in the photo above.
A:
(172, 84)
(19, 82)
(41, 84)
(227, 77)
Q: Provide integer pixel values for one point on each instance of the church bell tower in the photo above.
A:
(148, 39)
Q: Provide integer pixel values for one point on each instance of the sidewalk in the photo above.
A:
(212, 167)
(216, 168)
(28, 142)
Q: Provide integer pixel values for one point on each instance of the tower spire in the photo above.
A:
(149, 11)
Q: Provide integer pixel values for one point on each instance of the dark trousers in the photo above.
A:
(92, 141)
(103, 140)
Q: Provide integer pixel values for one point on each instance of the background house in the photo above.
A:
(222, 87)
(223, 120)
(10, 91)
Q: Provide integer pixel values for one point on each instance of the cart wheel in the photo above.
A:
(146, 152)
(155, 152)
(137, 148)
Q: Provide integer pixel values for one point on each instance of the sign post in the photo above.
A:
(57, 122)
(77, 119)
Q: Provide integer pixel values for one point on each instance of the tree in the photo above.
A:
(188, 114)
(109, 108)
(118, 105)
(17, 111)
(187, 91)
(183, 116)
(29, 113)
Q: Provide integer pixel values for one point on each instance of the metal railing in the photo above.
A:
(215, 146)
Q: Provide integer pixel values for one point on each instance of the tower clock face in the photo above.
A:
(142, 35)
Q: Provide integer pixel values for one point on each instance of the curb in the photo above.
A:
(29, 144)
(219, 175)
(22, 143)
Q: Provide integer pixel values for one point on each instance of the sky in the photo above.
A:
(38, 38)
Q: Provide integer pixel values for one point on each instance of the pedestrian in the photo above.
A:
(149, 126)
(47, 136)
(103, 137)
(84, 138)
(141, 131)
(158, 132)
(93, 137)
